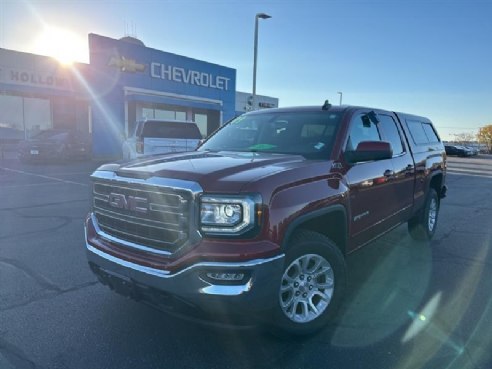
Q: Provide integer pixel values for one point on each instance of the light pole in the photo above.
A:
(258, 16)
(340, 93)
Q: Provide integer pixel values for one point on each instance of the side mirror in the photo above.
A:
(369, 151)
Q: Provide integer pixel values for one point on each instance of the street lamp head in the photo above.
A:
(263, 16)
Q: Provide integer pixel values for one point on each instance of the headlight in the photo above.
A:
(227, 215)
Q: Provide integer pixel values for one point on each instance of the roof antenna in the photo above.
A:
(326, 105)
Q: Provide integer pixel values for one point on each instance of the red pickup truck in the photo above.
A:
(259, 219)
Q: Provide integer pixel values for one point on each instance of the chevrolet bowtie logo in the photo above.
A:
(126, 65)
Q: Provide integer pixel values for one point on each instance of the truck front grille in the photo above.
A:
(145, 215)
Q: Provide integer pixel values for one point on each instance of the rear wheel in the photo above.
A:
(422, 226)
(311, 285)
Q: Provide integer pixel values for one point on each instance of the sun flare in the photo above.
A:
(61, 44)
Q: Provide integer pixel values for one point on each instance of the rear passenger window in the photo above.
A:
(431, 134)
(417, 131)
(422, 132)
(391, 134)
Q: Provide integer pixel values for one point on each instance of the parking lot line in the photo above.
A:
(32, 185)
(43, 176)
(449, 172)
(470, 170)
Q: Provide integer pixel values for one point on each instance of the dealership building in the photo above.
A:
(124, 82)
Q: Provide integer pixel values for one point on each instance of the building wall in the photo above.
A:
(37, 93)
(128, 79)
(124, 82)
(244, 102)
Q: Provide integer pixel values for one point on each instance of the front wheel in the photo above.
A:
(422, 226)
(311, 285)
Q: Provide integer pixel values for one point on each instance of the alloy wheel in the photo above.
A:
(432, 215)
(307, 288)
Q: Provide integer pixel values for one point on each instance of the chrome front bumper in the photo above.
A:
(257, 292)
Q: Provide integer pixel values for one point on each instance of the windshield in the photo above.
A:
(309, 134)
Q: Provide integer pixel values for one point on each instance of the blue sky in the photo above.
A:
(432, 58)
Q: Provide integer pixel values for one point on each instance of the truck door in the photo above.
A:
(402, 181)
(368, 182)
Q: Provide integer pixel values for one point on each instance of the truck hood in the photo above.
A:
(215, 172)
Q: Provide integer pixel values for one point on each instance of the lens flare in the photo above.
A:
(63, 45)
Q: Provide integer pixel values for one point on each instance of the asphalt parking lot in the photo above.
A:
(409, 304)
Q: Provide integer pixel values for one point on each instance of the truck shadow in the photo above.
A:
(391, 290)
(387, 284)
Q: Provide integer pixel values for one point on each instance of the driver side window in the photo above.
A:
(362, 130)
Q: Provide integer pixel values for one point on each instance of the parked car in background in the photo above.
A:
(10, 135)
(474, 150)
(455, 150)
(483, 149)
(55, 145)
(161, 136)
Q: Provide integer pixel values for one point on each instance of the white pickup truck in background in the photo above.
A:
(161, 136)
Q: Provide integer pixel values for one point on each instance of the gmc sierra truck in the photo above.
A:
(259, 219)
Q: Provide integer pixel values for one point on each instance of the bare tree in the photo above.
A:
(464, 138)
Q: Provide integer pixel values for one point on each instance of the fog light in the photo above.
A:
(226, 276)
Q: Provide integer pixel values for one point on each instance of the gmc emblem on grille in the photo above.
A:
(132, 203)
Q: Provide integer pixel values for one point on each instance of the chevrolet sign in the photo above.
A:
(188, 76)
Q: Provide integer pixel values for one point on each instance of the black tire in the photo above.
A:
(321, 260)
(422, 226)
